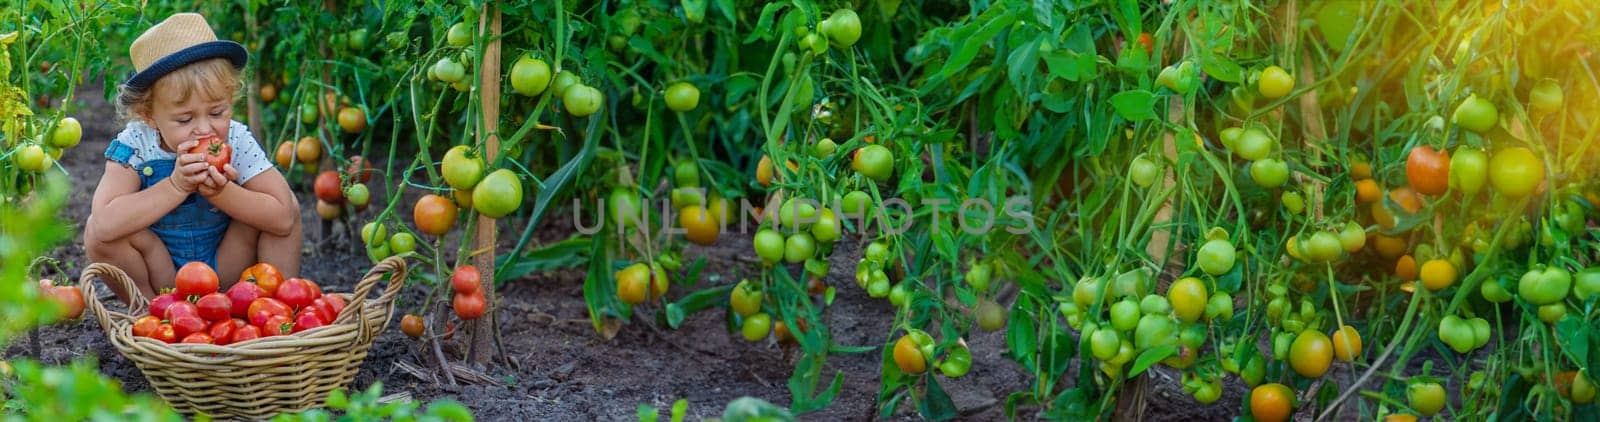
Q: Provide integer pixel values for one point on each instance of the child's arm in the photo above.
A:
(263, 202)
(138, 209)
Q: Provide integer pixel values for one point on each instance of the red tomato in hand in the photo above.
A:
(218, 152)
(165, 333)
(196, 279)
(159, 305)
(198, 338)
(215, 307)
(262, 309)
(146, 326)
(295, 292)
(465, 280)
(221, 332)
(240, 296)
(264, 275)
(244, 334)
(470, 307)
(1428, 170)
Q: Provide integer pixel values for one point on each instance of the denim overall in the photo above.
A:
(194, 229)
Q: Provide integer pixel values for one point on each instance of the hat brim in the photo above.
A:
(230, 50)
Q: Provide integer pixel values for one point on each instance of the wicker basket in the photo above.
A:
(256, 379)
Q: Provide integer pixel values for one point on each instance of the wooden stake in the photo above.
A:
(482, 350)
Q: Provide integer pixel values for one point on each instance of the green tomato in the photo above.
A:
(1336, 20)
(1230, 137)
(1469, 169)
(1274, 82)
(978, 276)
(1154, 305)
(1104, 343)
(1427, 398)
(1322, 247)
(563, 82)
(1588, 284)
(1544, 286)
(856, 203)
(308, 113)
(682, 97)
(824, 148)
(957, 361)
(756, 327)
(357, 39)
(899, 294)
(769, 246)
(498, 195)
(877, 252)
(1220, 307)
(1476, 114)
(843, 28)
(1492, 291)
(1125, 315)
(878, 287)
(1254, 144)
(1142, 172)
(1480, 332)
(796, 214)
(1546, 96)
(1552, 312)
(461, 171)
(1216, 257)
(1456, 333)
(32, 158)
(1353, 237)
(1292, 202)
(401, 243)
(798, 248)
(447, 70)
(1188, 299)
(745, 299)
(378, 252)
(1088, 291)
(1254, 370)
(875, 162)
(826, 229)
(373, 231)
(530, 76)
(583, 100)
(358, 195)
(1152, 331)
(459, 35)
(1269, 173)
(67, 133)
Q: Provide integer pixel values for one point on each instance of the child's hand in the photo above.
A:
(216, 181)
(189, 172)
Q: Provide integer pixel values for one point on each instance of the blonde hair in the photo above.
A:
(215, 79)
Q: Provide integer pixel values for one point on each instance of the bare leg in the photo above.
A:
(141, 255)
(243, 246)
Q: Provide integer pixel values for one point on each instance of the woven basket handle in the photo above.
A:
(110, 274)
(395, 267)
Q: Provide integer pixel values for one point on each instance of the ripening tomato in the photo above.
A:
(756, 327)
(264, 275)
(470, 306)
(765, 171)
(875, 162)
(1367, 191)
(411, 325)
(284, 156)
(1427, 398)
(1271, 402)
(1428, 170)
(308, 150)
(1346, 343)
(214, 307)
(908, 356)
(745, 298)
(1188, 298)
(267, 307)
(327, 188)
(1438, 274)
(1274, 82)
(434, 214)
(633, 283)
(146, 326)
(1516, 172)
(196, 279)
(1311, 353)
(352, 120)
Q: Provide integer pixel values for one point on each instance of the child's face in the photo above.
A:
(181, 119)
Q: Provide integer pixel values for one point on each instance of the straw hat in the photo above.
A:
(182, 39)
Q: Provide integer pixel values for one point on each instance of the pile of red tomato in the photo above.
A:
(261, 304)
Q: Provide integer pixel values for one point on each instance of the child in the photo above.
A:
(158, 207)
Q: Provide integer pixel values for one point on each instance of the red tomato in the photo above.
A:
(322, 307)
(1147, 41)
(277, 325)
(181, 309)
(1428, 170)
(165, 333)
(262, 309)
(240, 296)
(215, 307)
(196, 279)
(470, 307)
(218, 153)
(316, 290)
(359, 169)
(198, 338)
(244, 334)
(265, 276)
(159, 305)
(184, 325)
(327, 187)
(309, 318)
(295, 292)
(222, 331)
(146, 326)
(336, 305)
(465, 280)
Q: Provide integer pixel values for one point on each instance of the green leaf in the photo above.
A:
(1135, 105)
(726, 6)
(1150, 357)
(679, 409)
(996, 19)
(647, 413)
(763, 28)
(1221, 68)
(1021, 333)
(569, 253)
(936, 405)
(696, 302)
